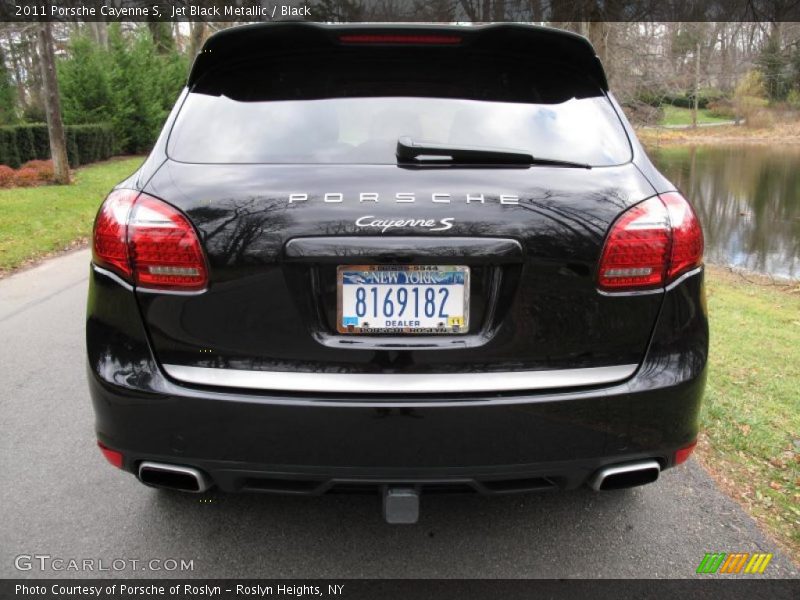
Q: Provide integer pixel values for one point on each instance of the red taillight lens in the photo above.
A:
(109, 246)
(687, 235)
(112, 456)
(637, 248)
(683, 454)
(164, 248)
(650, 244)
(149, 243)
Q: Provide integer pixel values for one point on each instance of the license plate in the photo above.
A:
(399, 299)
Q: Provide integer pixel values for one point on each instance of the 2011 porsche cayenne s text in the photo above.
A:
(403, 259)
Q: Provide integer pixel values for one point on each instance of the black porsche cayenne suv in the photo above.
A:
(400, 259)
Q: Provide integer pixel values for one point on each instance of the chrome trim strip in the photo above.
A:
(114, 276)
(659, 290)
(684, 277)
(130, 288)
(145, 290)
(363, 247)
(424, 383)
(631, 293)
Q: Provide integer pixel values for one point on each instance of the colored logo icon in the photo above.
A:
(735, 563)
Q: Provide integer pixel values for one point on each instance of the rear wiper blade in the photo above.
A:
(409, 151)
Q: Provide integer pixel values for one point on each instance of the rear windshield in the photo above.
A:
(354, 111)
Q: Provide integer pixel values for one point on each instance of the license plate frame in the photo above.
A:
(458, 325)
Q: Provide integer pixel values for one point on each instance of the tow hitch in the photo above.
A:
(400, 505)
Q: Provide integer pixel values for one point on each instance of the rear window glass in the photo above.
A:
(353, 111)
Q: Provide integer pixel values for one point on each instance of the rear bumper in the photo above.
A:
(306, 443)
(539, 442)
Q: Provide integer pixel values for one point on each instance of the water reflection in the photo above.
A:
(748, 198)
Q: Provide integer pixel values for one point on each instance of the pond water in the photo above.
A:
(748, 199)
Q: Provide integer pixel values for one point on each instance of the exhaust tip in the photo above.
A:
(174, 477)
(628, 475)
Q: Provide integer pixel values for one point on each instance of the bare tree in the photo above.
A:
(52, 103)
(197, 34)
(696, 100)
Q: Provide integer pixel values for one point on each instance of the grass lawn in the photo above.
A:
(751, 411)
(675, 115)
(40, 220)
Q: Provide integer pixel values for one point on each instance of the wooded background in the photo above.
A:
(126, 76)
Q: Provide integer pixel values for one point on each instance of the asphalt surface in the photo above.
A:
(60, 498)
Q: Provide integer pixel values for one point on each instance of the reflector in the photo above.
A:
(112, 456)
(683, 454)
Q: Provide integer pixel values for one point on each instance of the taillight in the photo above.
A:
(683, 454)
(403, 38)
(110, 239)
(687, 235)
(113, 456)
(149, 243)
(164, 248)
(651, 244)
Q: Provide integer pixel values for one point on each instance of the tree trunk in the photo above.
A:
(197, 33)
(161, 33)
(52, 103)
(18, 78)
(696, 99)
(99, 31)
(499, 10)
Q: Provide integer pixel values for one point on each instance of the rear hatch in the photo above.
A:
(288, 170)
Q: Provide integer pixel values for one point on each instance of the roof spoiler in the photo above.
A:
(248, 42)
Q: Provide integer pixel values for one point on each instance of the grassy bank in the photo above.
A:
(675, 115)
(35, 222)
(751, 412)
(788, 133)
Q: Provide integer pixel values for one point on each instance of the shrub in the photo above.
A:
(643, 114)
(683, 99)
(761, 119)
(44, 169)
(722, 109)
(85, 143)
(9, 154)
(26, 177)
(89, 143)
(7, 176)
(793, 99)
(752, 84)
(750, 100)
(651, 97)
(33, 172)
(34, 114)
